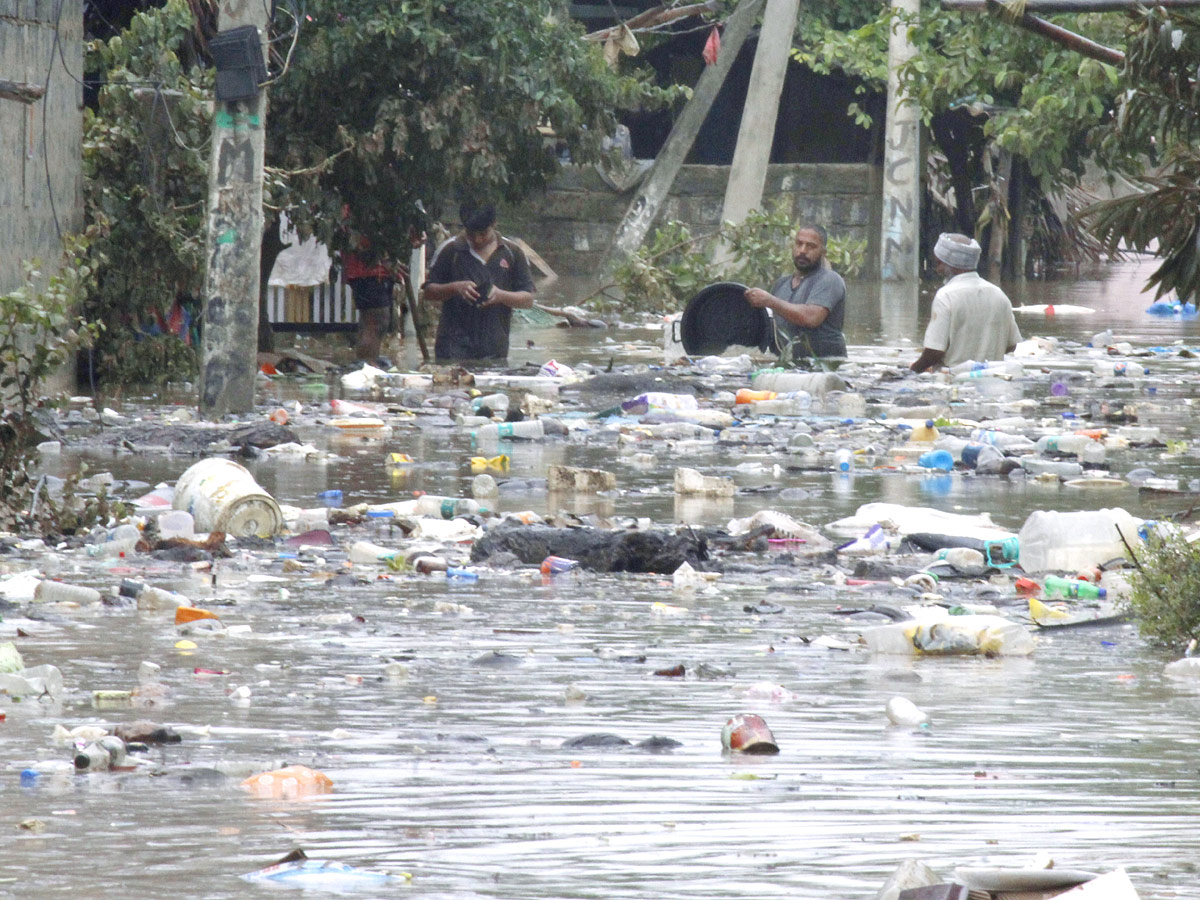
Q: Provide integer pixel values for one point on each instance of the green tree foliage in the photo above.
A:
(387, 103)
(380, 104)
(1159, 119)
(145, 175)
(39, 330)
(982, 86)
(1165, 600)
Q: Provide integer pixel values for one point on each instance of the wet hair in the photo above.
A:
(819, 229)
(477, 216)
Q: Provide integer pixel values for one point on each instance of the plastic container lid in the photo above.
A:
(719, 317)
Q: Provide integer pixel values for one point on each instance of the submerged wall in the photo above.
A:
(573, 223)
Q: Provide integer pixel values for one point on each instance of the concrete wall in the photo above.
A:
(573, 223)
(27, 52)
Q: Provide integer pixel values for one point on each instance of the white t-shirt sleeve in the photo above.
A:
(1014, 333)
(937, 333)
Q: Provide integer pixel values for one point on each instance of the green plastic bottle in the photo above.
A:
(1070, 587)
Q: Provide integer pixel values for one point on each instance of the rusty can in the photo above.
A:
(748, 733)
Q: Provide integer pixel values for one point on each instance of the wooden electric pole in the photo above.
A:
(655, 188)
(234, 240)
(748, 174)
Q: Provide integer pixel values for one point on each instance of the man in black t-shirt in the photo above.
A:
(479, 278)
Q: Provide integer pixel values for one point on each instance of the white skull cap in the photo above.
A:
(957, 251)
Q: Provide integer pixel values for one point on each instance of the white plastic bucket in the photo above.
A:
(223, 496)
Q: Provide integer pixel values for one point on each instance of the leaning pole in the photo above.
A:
(748, 174)
(899, 244)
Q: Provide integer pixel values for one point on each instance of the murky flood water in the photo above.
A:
(454, 772)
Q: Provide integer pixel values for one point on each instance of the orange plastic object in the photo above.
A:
(1027, 586)
(191, 614)
(745, 395)
(279, 417)
(268, 369)
(1096, 434)
(289, 783)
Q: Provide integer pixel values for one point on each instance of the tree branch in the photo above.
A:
(653, 17)
(1074, 6)
(1056, 33)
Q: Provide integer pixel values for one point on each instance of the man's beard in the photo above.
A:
(806, 268)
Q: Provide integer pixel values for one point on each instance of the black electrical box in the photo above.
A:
(237, 54)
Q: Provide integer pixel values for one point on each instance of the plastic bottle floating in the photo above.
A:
(1070, 587)
(554, 565)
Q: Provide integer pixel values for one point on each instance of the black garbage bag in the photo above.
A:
(656, 550)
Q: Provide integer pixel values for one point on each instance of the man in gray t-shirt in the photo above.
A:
(809, 304)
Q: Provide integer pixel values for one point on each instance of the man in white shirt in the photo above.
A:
(971, 318)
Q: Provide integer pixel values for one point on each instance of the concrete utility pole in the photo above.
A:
(657, 185)
(900, 244)
(748, 174)
(234, 244)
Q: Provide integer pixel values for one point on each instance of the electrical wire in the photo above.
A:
(55, 46)
(296, 14)
(159, 97)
